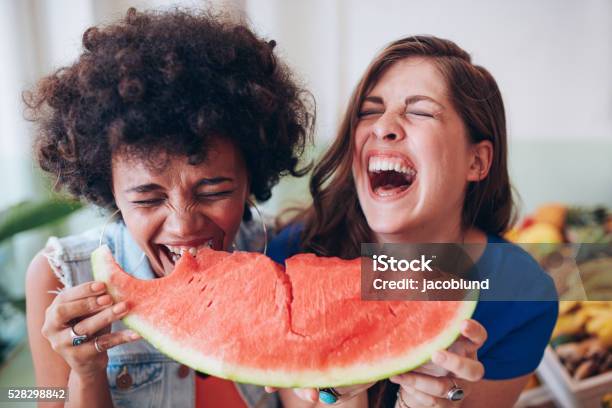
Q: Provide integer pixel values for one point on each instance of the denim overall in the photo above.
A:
(139, 376)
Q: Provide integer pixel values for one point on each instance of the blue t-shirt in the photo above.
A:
(518, 331)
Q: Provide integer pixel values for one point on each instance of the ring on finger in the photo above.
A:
(455, 393)
(97, 345)
(329, 395)
(77, 339)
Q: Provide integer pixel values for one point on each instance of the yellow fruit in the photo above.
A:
(512, 235)
(566, 306)
(553, 214)
(605, 334)
(596, 324)
(569, 324)
(540, 233)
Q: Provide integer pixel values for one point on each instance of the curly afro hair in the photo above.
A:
(169, 81)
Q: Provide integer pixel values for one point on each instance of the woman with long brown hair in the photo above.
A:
(421, 157)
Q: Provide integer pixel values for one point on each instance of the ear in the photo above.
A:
(480, 160)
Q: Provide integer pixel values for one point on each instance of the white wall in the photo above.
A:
(552, 60)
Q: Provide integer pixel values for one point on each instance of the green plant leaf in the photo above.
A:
(29, 215)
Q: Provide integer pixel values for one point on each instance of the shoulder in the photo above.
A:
(514, 274)
(286, 243)
(69, 257)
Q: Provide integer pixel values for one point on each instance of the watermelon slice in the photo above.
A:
(241, 316)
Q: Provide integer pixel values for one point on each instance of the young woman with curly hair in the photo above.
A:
(173, 120)
(421, 157)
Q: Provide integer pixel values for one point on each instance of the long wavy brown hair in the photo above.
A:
(335, 225)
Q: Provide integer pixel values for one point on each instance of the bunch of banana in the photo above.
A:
(584, 318)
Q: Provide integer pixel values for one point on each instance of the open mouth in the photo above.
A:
(174, 253)
(390, 176)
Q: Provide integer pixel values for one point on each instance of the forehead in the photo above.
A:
(411, 76)
(221, 158)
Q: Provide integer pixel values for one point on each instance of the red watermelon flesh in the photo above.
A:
(243, 317)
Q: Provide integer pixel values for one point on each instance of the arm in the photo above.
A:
(56, 361)
(49, 368)
(503, 392)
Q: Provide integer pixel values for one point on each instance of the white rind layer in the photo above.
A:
(332, 377)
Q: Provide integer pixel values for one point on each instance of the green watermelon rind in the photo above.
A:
(342, 376)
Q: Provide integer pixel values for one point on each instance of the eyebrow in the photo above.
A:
(148, 188)
(408, 101)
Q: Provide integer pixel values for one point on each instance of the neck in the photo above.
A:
(452, 233)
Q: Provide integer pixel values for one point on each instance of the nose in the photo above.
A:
(185, 222)
(388, 128)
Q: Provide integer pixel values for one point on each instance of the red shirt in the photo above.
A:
(213, 392)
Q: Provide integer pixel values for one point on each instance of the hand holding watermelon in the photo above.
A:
(429, 384)
(85, 310)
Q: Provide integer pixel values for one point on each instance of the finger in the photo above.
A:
(474, 331)
(86, 352)
(63, 313)
(108, 341)
(416, 399)
(473, 337)
(307, 394)
(434, 386)
(101, 320)
(431, 369)
(81, 291)
(462, 367)
(270, 389)
(407, 398)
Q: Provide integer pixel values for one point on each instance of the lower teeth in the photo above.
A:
(389, 190)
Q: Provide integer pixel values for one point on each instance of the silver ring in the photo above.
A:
(77, 339)
(456, 393)
(97, 346)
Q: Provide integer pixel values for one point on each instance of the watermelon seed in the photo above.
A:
(209, 303)
(190, 280)
(392, 311)
(203, 287)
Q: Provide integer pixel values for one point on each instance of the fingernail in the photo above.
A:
(119, 308)
(103, 300)
(439, 357)
(465, 325)
(134, 336)
(97, 286)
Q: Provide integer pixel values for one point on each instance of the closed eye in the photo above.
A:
(149, 203)
(202, 197)
(215, 195)
(419, 113)
(368, 113)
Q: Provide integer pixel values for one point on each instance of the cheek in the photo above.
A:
(143, 224)
(227, 214)
(358, 146)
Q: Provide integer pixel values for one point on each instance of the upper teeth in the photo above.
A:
(377, 163)
(177, 250)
